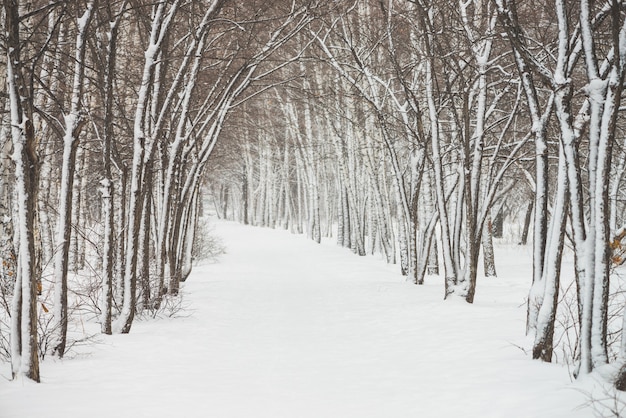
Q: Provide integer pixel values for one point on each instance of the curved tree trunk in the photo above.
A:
(544, 335)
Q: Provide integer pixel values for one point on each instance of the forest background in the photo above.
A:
(416, 129)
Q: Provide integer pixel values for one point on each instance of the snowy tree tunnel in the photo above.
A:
(400, 128)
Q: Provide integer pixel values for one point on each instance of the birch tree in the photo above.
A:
(142, 144)
(594, 123)
(375, 90)
(109, 42)
(70, 143)
(24, 342)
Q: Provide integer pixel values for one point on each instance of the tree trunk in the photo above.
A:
(107, 189)
(244, 194)
(544, 336)
(446, 238)
(144, 246)
(433, 260)
(24, 341)
(75, 253)
(527, 219)
(120, 247)
(161, 22)
(70, 146)
(189, 236)
(489, 262)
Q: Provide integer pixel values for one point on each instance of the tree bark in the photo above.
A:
(160, 27)
(489, 261)
(70, 145)
(24, 342)
(544, 335)
(527, 219)
(107, 188)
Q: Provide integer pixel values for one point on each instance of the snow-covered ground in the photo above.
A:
(284, 328)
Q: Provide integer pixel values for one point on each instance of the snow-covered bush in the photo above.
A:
(206, 245)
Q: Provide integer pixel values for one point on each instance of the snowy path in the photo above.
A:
(284, 328)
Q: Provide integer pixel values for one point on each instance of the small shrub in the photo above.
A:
(206, 245)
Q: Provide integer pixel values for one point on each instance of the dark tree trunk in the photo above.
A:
(433, 259)
(144, 250)
(489, 261)
(527, 219)
(244, 195)
(121, 237)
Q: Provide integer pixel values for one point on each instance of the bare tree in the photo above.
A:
(24, 343)
(72, 128)
(108, 261)
(595, 121)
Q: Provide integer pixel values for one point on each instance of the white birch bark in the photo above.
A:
(310, 159)
(543, 346)
(174, 150)
(107, 189)
(446, 238)
(70, 145)
(49, 72)
(590, 233)
(161, 22)
(24, 341)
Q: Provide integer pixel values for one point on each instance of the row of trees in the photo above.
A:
(405, 123)
(112, 110)
(411, 123)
